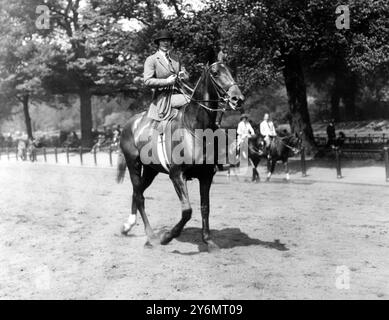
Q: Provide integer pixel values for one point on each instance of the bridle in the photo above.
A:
(294, 150)
(222, 93)
(281, 139)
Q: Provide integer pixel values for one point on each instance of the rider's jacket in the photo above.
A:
(267, 129)
(245, 129)
(157, 68)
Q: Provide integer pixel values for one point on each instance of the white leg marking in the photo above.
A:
(130, 222)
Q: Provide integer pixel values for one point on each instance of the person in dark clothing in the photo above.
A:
(341, 139)
(331, 134)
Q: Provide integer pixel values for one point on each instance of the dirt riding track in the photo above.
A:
(60, 238)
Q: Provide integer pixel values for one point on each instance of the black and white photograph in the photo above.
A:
(189, 150)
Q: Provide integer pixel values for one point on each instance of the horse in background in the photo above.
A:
(282, 147)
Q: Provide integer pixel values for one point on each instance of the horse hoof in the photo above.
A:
(165, 238)
(213, 247)
(152, 242)
(125, 230)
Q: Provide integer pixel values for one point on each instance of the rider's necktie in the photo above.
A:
(169, 61)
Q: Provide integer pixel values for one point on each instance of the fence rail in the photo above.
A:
(59, 153)
(340, 152)
(357, 139)
(44, 153)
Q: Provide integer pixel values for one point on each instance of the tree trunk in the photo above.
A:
(349, 96)
(297, 99)
(27, 117)
(86, 117)
(335, 98)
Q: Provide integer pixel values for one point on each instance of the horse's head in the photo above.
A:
(295, 141)
(225, 85)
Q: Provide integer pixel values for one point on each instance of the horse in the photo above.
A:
(281, 148)
(215, 86)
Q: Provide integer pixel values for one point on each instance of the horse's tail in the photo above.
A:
(121, 168)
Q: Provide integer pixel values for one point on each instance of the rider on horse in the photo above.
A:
(267, 131)
(161, 71)
(245, 130)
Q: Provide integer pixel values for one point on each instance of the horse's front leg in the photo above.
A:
(271, 166)
(179, 183)
(205, 185)
(287, 177)
(256, 177)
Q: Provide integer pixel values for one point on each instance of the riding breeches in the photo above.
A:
(178, 100)
(268, 140)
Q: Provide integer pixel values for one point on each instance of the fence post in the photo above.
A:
(56, 154)
(338, 164)
(81, 155)
(386, 157)
(67, 154)
(303, 164)
(44, 154)
(95, 156)
(7, 152)
(110, 155)
(16, 153)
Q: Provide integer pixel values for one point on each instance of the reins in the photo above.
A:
(221, 92)
(288, 146)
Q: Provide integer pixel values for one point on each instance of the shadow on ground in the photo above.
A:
(226, 239)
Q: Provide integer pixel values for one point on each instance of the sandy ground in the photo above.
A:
(60, 239)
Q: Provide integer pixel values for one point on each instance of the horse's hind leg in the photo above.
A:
(140, 183)
(179, 183)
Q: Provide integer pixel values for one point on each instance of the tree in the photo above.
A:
(21, 65)
(266, 40)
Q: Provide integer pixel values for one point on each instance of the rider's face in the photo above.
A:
(266, 117)
(165, 44)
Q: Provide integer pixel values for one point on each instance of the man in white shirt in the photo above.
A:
(245, 130)
(267, 130)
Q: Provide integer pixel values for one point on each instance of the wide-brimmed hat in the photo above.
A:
(244, 115)
(163, 34)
